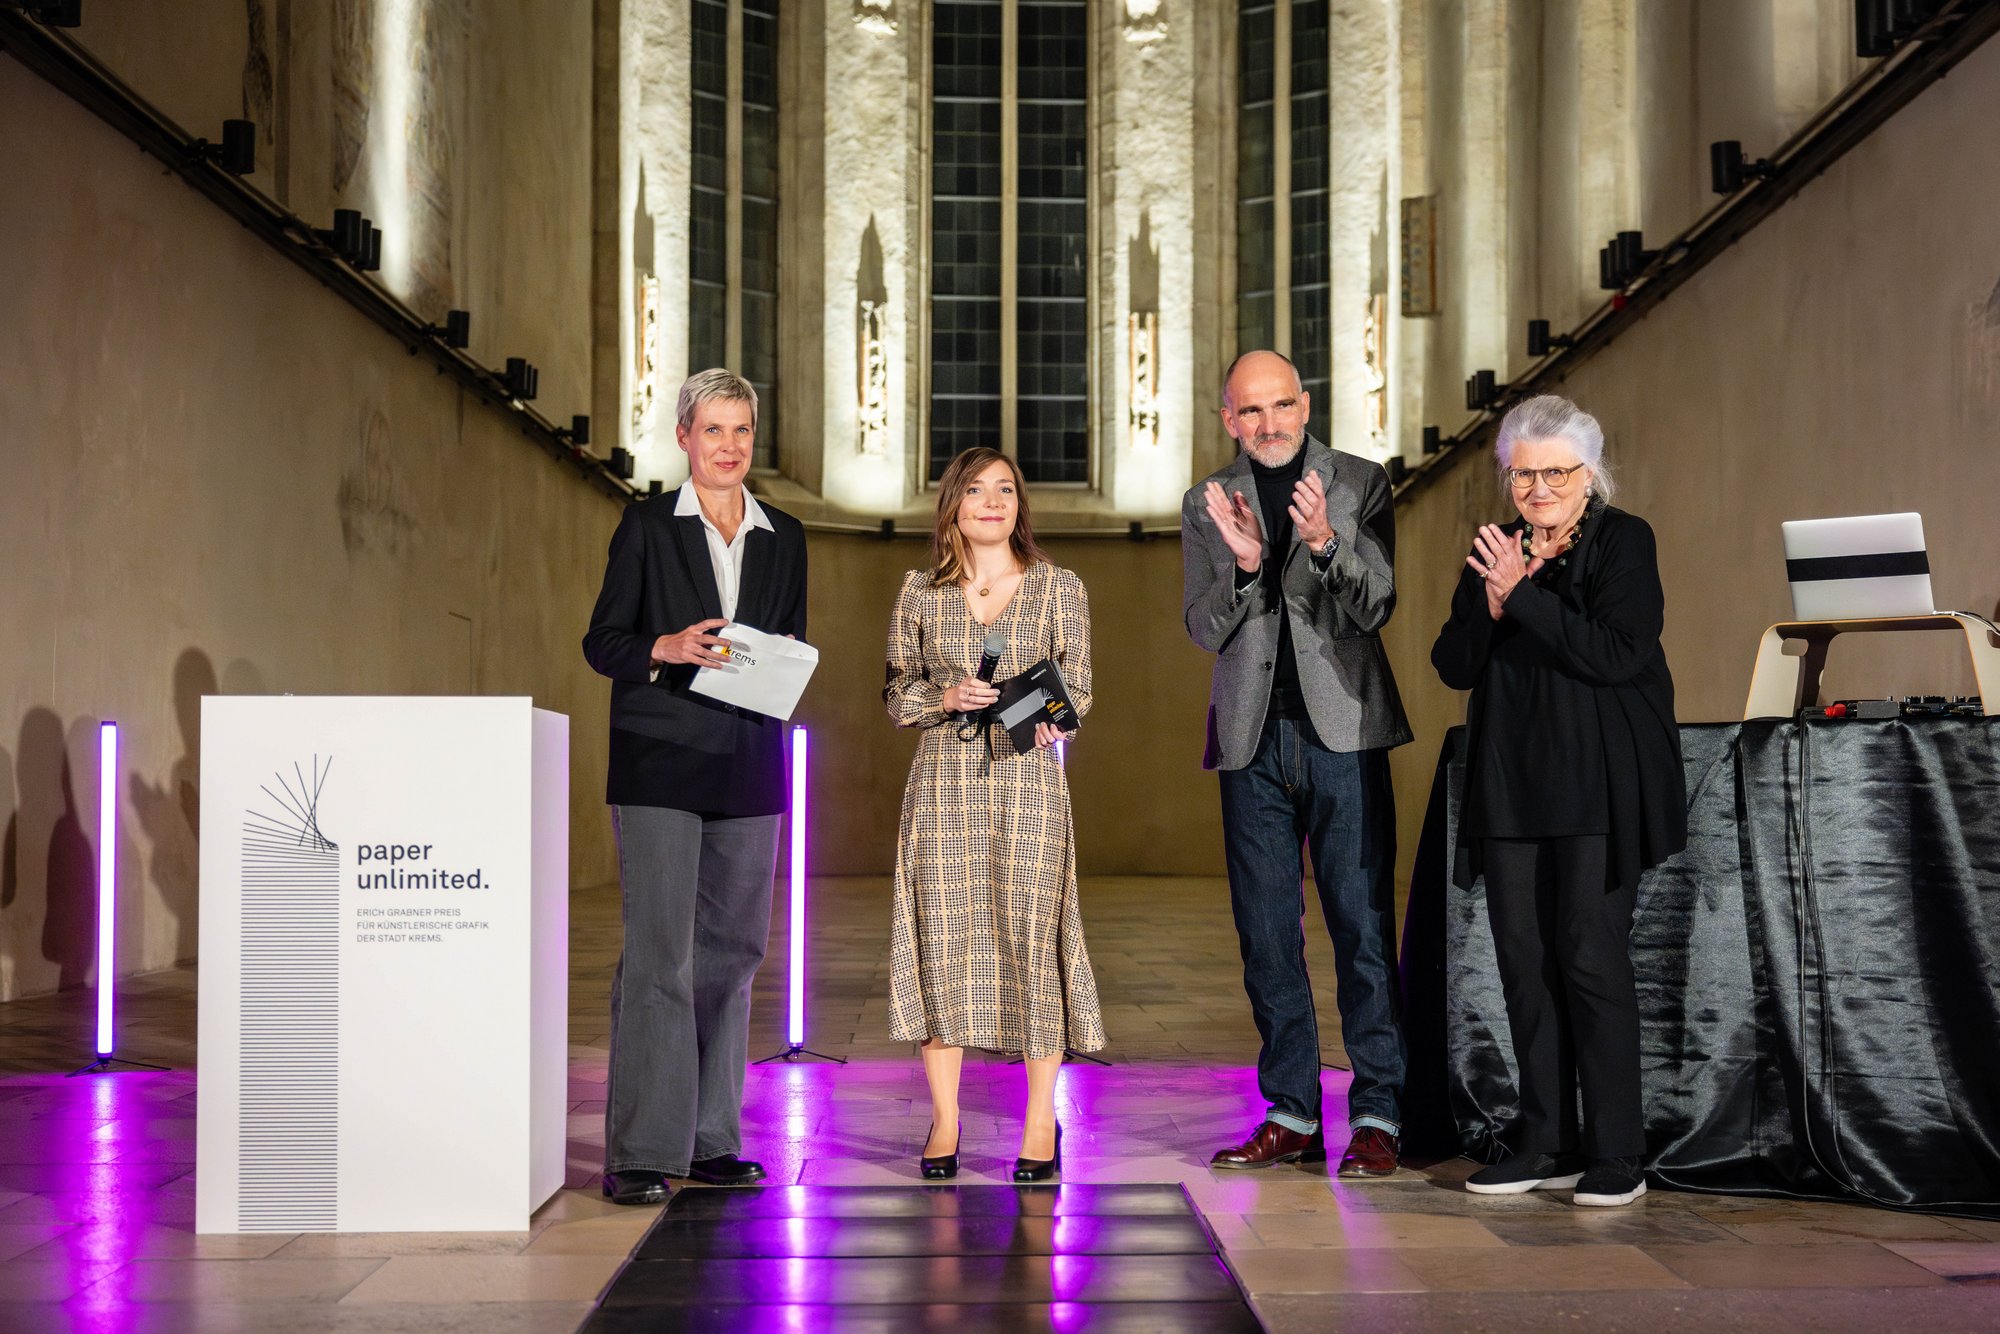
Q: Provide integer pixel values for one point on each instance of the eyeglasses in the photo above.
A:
(1557, 478)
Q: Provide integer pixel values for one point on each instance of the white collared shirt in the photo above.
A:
(725, 556)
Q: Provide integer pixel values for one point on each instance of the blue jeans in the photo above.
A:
(1296, 791)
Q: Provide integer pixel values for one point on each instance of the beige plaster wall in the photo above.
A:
(215, 477)
(1843, 359)
(1143, 804)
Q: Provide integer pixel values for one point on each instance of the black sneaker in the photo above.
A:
(1525, 1172)
(1611, 1182)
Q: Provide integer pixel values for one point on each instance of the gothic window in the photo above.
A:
(733, 226)
(1009, 234)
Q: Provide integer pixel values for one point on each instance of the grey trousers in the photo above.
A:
(697, 897)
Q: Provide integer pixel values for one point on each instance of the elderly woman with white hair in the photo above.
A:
(1573, 786)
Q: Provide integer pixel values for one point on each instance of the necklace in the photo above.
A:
(1560, 557)
(988, 590)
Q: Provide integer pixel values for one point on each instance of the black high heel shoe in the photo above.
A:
(1027, 1171)
(943, 1167)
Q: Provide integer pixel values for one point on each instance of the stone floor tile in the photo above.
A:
(486, 1278)
(384, 1245)
(232, 1281)
(1278, 1270)
(1370, 1231)
(19, 1238)
(133, 1239)
(613, 1236)
(47, 1280)
(1807, 1266)
(1953, 1259)
(1538, 1268)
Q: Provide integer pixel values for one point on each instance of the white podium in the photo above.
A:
(384, 964)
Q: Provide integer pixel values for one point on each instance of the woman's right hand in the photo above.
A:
(969, 696)
(694, 645)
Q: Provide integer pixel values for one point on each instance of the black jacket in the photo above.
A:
(669, 746)
(1601, 626)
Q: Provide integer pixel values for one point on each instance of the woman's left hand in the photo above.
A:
(1046, 736)
(1498, 561)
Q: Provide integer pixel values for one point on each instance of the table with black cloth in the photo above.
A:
(1819, 972)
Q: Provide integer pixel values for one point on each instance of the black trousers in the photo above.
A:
(1562, 937)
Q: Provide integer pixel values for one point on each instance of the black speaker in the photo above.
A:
(1871, 29)
(239, 147)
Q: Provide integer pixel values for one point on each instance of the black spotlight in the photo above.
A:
(1729, 169)
(1398, 470)
(1629, 256)
(1136, 531)
(621, 464)
(236, 154)
(656, 487)
(1541, 342)
(521, 380)
(1607, 271)
(886, 530)
(579, 432)
(370, 258)
(1481, 392)
(1871, 29)
(1906, 16)
(456, 329)
(1880, 26)
(1433, 440)
(56, 13)
(346, 237)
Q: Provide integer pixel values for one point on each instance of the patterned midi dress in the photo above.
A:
(986, 943)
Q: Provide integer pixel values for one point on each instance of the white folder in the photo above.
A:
(767, 673)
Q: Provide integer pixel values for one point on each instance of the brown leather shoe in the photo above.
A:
(1372, 1152)
(1273, 1143)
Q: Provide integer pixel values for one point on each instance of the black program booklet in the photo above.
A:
(1037, 695)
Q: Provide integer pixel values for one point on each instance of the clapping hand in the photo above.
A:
(1238, 524)
(1308, 511)
(1497, 559)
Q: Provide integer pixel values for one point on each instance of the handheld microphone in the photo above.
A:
(989, 656)
(989, 662)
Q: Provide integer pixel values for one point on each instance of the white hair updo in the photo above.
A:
(1553, 417)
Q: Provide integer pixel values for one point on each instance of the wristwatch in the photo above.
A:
(1325, 552)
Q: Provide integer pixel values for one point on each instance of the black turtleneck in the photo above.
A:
(1274, 494)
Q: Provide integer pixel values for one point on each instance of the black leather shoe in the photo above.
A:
(636, 1186)
(1027, 1171)
(725, 1169)
(941, 1168)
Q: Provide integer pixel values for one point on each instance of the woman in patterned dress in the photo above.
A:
(987, 939)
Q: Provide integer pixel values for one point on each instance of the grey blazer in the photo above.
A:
(1336, 616)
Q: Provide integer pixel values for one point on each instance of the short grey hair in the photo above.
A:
(1553, 417)
(709, 386)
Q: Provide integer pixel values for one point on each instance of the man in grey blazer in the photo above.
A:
(1289, 558)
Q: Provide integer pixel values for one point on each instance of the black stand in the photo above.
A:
(798, 1052)
(102, 1065)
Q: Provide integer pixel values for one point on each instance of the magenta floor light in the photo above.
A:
(107, 902)
(795, 1024)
